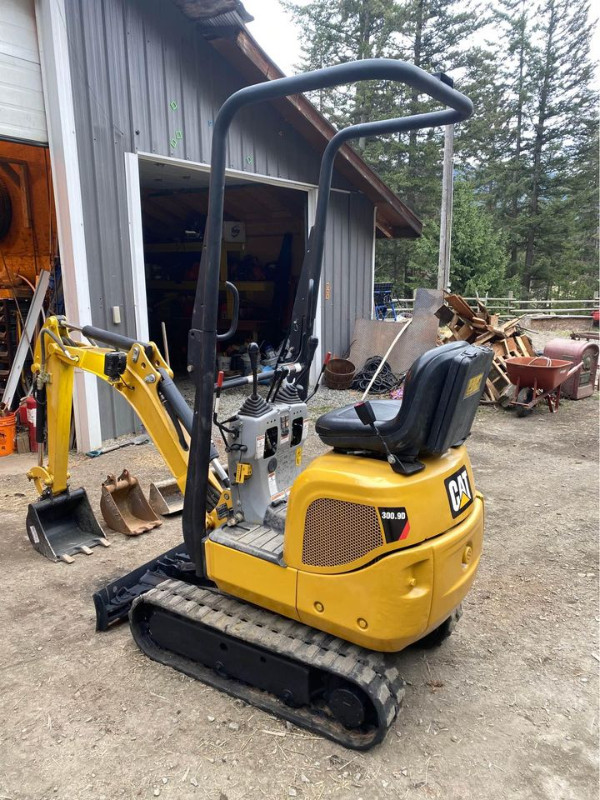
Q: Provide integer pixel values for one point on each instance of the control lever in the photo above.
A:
(278, 375)
(326, 361)
(219, 386)
(365, 413)
(253, 352)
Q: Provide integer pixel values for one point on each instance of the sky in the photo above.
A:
(277, 35)
(275, 32)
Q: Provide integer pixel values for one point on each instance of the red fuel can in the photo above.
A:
(27, 413)
(581, 384)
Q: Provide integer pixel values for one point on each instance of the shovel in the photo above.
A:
(166, 497)
(124, 506)
(143, 439)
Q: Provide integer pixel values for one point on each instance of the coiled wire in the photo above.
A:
(385, 381)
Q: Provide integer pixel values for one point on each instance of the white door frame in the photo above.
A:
(62, 137)
(315, 367)
(136, 241)
(372, 296)
(136, 245)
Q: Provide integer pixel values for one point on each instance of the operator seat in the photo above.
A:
(441, 394)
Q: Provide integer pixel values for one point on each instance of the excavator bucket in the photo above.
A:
(62, 526)
(125, 507)
(166, 497)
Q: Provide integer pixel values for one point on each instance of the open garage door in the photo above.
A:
(263, 246)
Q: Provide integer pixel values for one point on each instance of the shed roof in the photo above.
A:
(222, 22)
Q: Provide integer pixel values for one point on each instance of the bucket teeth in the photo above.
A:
(125, 507)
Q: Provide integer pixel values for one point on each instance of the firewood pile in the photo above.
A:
(506, 339)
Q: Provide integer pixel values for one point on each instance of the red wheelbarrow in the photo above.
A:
(538, 379)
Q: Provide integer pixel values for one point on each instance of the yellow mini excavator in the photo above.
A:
(295, 600)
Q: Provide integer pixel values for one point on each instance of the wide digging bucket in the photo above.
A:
(124, 506)
(62, 526)
(166, 497)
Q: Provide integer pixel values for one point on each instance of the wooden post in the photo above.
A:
(446, 214)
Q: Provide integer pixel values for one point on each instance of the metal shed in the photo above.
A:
(131, 85)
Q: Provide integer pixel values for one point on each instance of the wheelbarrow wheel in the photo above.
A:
(525, 396)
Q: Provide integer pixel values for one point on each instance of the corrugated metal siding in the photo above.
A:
(347, 268)
(144, 79)
(22, 114)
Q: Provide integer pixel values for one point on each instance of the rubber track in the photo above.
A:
(366, 669)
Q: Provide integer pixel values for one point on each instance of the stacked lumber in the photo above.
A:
(478, 326)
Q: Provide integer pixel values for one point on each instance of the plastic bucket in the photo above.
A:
(8, 433)
(339, 373)
(224, 363)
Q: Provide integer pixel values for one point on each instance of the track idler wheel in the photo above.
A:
(349, 705)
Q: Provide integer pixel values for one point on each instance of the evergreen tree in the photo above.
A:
(526, 163)
(564, 111)
(479, 256)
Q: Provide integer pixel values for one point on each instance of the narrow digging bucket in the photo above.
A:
(124, 506)
(62, 526)
(166, 497)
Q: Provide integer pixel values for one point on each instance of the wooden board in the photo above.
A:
(373, 337)
(456, 302)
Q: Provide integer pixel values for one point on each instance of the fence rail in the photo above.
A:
(511, 307)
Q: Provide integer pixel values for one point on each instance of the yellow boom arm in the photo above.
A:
(55, 359)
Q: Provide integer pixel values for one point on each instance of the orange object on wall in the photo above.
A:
(28, 242)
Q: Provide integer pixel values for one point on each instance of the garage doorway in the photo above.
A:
(265, 230)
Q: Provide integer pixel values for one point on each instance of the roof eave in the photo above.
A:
(394, 218)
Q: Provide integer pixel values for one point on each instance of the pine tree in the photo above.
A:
(337, 32)
(494, 140)
(428, 33)
(526, 162)
(563, 120)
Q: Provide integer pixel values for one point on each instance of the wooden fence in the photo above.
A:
(511, 307)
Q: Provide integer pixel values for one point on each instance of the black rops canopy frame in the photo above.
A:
(203, 334)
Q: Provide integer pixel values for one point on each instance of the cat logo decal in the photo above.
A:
(459, 491)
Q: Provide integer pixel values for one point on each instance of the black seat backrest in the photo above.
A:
(458, 403)
(441, 394)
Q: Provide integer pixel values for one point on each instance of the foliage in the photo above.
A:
(526, 163)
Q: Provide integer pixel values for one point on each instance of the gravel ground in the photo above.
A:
(506, 708)
(323, 401)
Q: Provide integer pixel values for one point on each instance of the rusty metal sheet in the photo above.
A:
(373, 337)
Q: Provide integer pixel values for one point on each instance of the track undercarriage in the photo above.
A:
(315, 680)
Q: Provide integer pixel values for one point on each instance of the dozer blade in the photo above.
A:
(166, 497)
(124, 506)
(62, 526)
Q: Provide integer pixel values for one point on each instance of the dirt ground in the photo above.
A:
(506, 708)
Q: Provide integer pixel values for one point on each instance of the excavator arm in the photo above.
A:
(140, 375)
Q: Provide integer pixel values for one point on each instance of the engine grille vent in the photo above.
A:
(336, 532)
